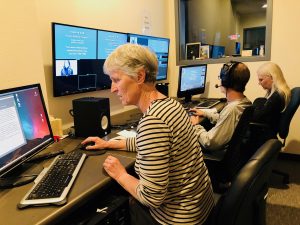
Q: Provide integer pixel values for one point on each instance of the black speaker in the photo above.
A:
(91, 117)
(163, 88)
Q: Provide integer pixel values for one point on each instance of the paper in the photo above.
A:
(127, 134)
(118, 138)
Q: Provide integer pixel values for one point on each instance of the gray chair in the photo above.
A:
(223, 168)
(245, 201)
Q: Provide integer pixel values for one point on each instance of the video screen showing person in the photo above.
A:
(66, 67)
(77, 65)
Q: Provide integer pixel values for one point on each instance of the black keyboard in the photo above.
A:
(55, 181)
(208, 103)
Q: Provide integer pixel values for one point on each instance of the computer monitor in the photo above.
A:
(158, 45)
(218, 51)
(191, 81)
(78, 57)
(24, 126)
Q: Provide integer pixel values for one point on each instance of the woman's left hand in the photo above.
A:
(113, 167)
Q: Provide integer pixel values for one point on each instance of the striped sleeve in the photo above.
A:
(153, 144)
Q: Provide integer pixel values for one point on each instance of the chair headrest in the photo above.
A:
(289, 112)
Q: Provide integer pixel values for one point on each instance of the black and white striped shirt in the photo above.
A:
(173, 179)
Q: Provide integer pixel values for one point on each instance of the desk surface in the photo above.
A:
(89, 183)
(91, 179)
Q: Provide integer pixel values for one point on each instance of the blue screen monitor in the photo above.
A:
(78, 57)
(158, 45)
(24, 126)
(191, 81)
(218, 51)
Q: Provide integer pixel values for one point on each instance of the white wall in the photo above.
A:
(21, 60)
(115, 15)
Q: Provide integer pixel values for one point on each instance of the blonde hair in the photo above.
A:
(279, 83)
(130, 59)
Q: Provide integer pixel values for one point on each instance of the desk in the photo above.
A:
(91, 181)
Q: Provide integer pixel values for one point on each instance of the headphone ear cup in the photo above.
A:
(225, 75)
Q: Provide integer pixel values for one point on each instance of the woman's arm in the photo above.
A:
(102, 144)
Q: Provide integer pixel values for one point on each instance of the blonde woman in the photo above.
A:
(269, 108)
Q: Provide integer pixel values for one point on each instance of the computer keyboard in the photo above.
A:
(208, 103)
(54, 182)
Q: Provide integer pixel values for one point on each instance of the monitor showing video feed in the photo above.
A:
(78, 57)
(160, 46)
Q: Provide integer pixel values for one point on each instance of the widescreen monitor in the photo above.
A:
(24, 126)
(191, 81)
(158, 45)
(78, 57)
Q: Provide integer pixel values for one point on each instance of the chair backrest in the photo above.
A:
(236, 154)
(244, 202)
(287, 115)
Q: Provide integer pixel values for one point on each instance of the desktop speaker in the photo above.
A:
(91, 117)
(163, 88)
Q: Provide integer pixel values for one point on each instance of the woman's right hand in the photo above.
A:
(99, 143)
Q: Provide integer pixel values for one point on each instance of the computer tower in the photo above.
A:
(91, 117)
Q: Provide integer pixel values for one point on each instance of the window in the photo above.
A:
(228, 28)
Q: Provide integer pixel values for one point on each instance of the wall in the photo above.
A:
(211, 28)
(115, 15)
(251, 20)
(285, 49)
(25, 55)
(20, 55)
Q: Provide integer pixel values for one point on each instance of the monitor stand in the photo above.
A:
(18, 177)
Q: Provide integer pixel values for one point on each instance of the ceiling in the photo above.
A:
(248, 6)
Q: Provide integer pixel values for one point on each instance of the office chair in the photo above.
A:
(245, 201)
(223, 167)
(284, 124)
(259, 131)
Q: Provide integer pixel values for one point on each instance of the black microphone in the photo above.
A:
(217, 86)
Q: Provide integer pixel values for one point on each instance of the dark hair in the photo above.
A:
(240, 77)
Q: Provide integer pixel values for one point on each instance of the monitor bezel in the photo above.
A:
(187, 94)
(22, 159)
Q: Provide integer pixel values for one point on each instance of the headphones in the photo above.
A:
(226, 74)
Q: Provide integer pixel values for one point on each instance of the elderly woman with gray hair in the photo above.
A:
(172, 184)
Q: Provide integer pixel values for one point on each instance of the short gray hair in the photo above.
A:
(130, 58)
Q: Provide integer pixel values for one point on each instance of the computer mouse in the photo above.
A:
(191, 113)
(83, 146)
